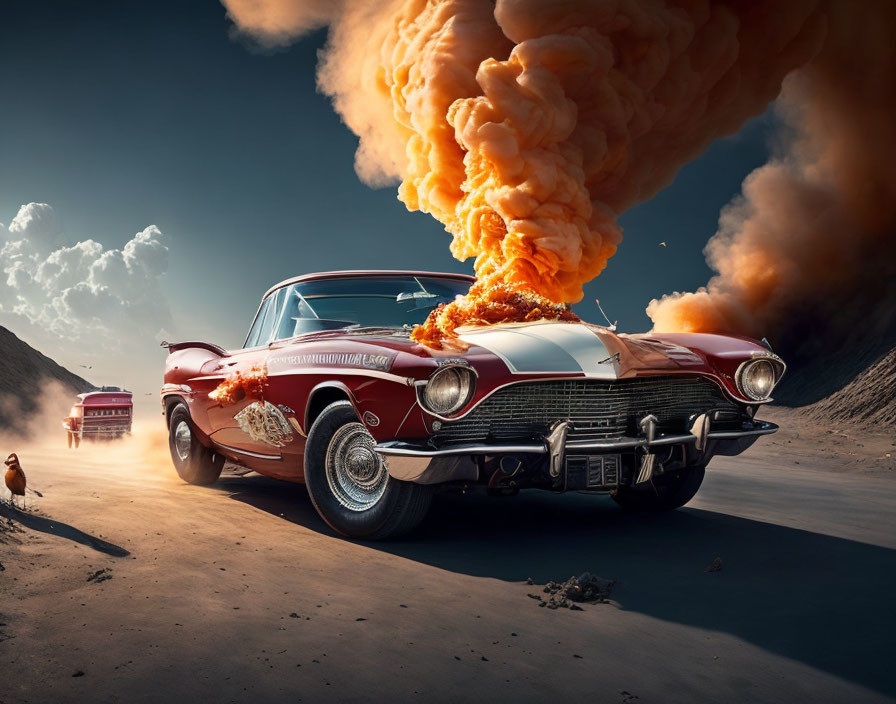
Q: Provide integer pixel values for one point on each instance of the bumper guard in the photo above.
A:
(426, 465)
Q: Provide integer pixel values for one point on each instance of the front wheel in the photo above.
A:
(664, 493)
(194, 462)
(348, 482)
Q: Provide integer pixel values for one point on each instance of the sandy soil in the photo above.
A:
(123, 584)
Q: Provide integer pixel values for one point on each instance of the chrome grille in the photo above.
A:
(597, 409)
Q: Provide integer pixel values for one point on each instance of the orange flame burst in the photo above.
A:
(488, 305)
(240, 385)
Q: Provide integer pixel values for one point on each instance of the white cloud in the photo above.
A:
(81, 293)
(36, 223)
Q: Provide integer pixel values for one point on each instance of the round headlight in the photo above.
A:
(757, 379)
(448, 390)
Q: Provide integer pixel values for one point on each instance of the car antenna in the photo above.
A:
(610, 326)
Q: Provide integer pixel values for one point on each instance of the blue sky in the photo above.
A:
(125, 115)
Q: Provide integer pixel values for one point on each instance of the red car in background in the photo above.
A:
(330, 390)
(99, 415)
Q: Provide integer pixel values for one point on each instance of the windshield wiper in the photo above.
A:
(414, 296)
(373, 328)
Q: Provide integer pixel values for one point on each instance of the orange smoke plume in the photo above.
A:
(814, 233)
(240, 385)
(526, 127)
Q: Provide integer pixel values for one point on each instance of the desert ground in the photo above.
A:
(123, 584)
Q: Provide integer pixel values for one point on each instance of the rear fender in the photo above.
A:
(171, 402)
(186, 359)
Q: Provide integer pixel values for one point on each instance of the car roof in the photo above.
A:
(354, 273)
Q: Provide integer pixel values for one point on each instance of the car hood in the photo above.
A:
(548, 347)
(562, 348)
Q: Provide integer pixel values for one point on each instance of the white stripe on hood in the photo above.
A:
(545, 347)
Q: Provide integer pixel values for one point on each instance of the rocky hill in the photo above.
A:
(24, 374)
(869, 399)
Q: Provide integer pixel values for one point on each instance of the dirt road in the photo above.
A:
(240, 593)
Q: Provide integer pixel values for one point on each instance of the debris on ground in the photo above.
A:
(100, 576)
(714, 566)
(586, 588)
(7, 524)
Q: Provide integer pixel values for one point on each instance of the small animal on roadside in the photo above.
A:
(15, 479)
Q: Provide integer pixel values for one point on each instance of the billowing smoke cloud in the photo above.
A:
(807, 255)
(528, 126)
(101, 299)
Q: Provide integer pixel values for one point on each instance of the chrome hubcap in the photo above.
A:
(356, 474)
(182, 440)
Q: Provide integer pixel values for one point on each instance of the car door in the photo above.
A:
(225, 418)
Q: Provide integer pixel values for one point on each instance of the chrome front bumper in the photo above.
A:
(426, 465)
(104, 430)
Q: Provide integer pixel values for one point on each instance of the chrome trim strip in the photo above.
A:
(405, 419)
(329, 371)
(248, 453)
(366, 274)
(348, 371)
(168, 389)
(104, 431)
(403, 449)
(628, 443)
(764, 429)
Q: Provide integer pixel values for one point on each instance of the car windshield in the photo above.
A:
(338, 303)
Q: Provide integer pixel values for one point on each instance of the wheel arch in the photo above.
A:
(323, 395)
(170, 402)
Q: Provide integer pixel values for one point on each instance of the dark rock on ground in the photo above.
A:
(586, 588)
(100, 576)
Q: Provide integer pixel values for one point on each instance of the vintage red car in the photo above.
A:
(330, 390)
(99, 415)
